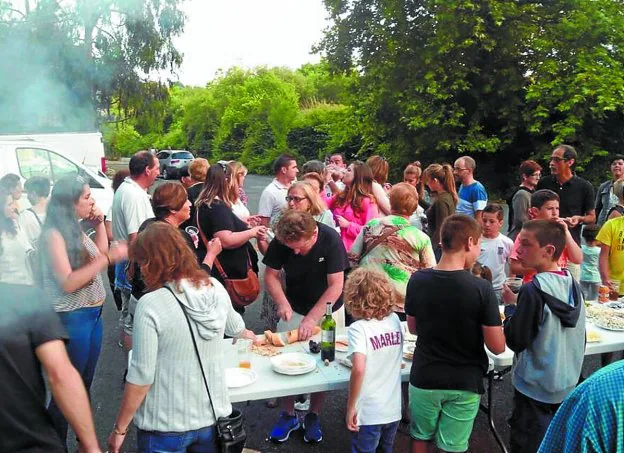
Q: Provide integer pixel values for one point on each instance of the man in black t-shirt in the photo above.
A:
(454, 313)
(314, 260)
(32, 336)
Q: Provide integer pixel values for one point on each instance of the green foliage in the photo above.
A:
(67, 66)
(253, 116)
(505, 80)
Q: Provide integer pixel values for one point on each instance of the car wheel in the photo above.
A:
(165, 173)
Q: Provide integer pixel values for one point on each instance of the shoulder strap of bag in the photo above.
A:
(36, 216)
(201, 366)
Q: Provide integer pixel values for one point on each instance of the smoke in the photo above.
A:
(44, 78)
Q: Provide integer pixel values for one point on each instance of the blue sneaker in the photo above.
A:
(312, 428)
(284, 426)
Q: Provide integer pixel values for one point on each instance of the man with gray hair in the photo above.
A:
(472, 195)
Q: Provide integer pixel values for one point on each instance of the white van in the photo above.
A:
(28, 158)
(86, 148)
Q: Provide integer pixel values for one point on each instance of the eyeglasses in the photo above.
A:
(558, 159)
(459, 169)
(536, 175)
(295, 199)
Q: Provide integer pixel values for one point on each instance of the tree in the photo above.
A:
(62, 63)
(504, 79)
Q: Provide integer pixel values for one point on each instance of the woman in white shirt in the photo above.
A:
(237, 193)
(15, 249)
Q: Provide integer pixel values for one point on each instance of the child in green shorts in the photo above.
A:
(453, 313)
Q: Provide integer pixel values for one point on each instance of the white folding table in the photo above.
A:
(336, 376)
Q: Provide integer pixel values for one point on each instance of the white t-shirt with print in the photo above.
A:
(131, 207)
(494, 254)
(382, 344)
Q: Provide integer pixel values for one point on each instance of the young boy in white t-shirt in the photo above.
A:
(495, 247)
(375, 350)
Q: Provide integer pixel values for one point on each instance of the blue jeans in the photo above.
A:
(202, 440)
(84, 327)
(374, 438)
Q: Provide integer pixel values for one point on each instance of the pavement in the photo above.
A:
(107, 390)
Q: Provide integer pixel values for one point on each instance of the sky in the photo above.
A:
(220, 34)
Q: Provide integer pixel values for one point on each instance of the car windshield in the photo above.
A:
(182, 155)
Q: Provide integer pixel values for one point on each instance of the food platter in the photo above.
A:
(614, 323)
(240, 377)
(293, 363)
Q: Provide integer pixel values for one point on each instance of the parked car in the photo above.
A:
(85, 148)
(28, 158)
(172, 160)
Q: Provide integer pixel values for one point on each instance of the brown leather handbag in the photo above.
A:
(242, 291)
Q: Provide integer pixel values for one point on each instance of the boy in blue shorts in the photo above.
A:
(453, 313)
(375, 350)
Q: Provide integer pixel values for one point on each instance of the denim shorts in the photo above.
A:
(374, 438)
(203, 440)
(443, 416)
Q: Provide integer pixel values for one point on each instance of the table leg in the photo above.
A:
(488, 410)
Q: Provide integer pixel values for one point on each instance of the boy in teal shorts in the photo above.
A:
(453, 313)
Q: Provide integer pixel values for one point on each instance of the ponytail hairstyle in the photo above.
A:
(415, 170)
(444, 174)
(361, 187)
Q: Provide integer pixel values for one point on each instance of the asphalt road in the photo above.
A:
(108, 387)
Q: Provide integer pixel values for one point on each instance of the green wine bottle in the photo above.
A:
(328, 335)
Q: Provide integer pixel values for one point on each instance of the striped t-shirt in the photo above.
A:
(83, 297)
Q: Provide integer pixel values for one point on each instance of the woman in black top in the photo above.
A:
(171, 205)
(216, 220)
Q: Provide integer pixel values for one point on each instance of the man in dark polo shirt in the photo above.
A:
(576, 195)
(314, 260)
(31, 338)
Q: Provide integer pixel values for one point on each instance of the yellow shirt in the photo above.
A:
(612, 234)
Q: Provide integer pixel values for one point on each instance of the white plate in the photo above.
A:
(293, 363)
(340, 347)
(239, 377)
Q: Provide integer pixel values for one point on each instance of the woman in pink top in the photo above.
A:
(355, 205)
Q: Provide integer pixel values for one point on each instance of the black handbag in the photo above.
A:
(231, 435)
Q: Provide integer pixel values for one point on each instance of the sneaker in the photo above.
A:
(284, 426)
(312, 428)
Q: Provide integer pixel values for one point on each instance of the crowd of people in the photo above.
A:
(427, 252)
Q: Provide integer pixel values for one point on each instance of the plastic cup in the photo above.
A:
(243, 349)
(514, 284)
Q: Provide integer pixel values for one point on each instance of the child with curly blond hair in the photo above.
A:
(375, 350)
